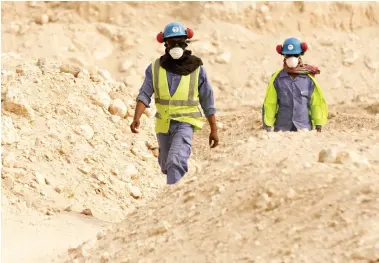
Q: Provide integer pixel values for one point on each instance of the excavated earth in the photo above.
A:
(78, 186)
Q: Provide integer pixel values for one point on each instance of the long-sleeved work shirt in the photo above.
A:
(206, 96)
(294, 96)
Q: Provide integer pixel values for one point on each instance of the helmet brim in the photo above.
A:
(291, 53)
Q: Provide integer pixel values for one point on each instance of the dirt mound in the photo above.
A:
(61, 146)
(262, 198)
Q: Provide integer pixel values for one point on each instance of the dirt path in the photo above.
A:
(51, 236)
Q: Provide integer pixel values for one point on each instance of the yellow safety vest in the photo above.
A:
(183, 106)
(318, 106)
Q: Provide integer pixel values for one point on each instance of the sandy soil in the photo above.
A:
(78, 186)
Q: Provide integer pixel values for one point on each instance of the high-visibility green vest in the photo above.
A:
(318, 106)
(183, 106)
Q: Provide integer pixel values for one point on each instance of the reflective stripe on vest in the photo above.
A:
(191, 114)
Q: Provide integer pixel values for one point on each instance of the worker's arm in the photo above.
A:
(319, 107)
(270, 104)
(206, 98)
(143, 99)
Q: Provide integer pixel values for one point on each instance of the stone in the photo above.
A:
(327, 155)
(263, 201)
(8, 132)
(351, 157)
(115, 171)
(87, 212)
(15, 103)
(9, 159)
(101, 98)
(135, 192)
(264, 9)
(129, 171)
(84, 169)
(105, 74)
(83, 74)
(20, 70)
(70, 69)
(118, 107)
(223, 58)
(39, 178)
(96, 78)
(84, 130)
(43, 19)
(105, 29)
(115, 119)
(125, 65)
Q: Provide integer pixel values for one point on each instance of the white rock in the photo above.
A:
(85, 130)
(70, 69)
(83, 74)
(223, 58)
(9, 159)
(145, 156)
(370, 64)
(263, 201)
(118, 107)
(105, 29)
(43, 19)
(327, 155)
(351, 157)
(135, 192)
(291, 193)
(102, 99)
(15, 103)
(264, 9)
(124, 66)
(115, 171)
(39, 178)
(105, 74)
(8, 132)
(96, 78)
(129, 171)
(84, 169)
(115, 119)
(101, 234)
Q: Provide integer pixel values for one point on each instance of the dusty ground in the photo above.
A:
(72, 169)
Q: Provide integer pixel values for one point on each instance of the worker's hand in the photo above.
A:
(213, 137)
(318, 129)
(134, 126)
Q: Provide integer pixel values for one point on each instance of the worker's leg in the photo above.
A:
(179, 153)
(293, 129)
(164, 143)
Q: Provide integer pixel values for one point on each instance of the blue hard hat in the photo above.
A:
(292, 46)
(174, 29)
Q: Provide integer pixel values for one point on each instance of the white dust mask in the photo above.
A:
(292, 62)
(176, 52)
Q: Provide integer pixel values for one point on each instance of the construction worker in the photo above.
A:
(294, 100)
(180, 83)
